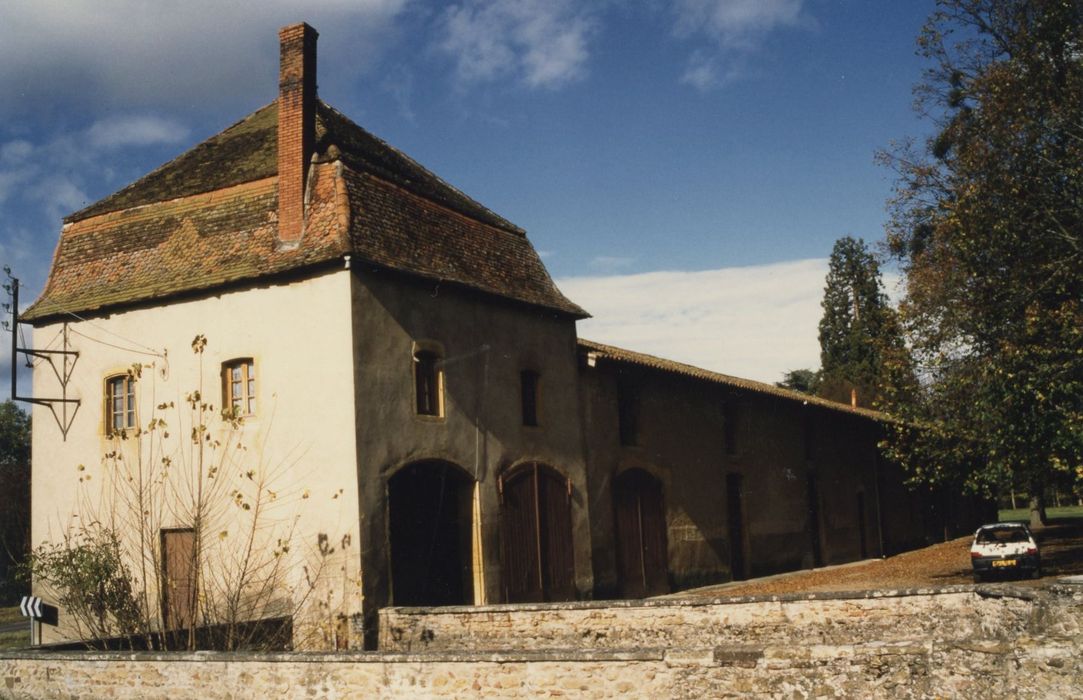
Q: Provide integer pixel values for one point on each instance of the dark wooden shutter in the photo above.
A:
(558, 567)
(519, 524)
(178, 578)
(642, 556)
(536, 533)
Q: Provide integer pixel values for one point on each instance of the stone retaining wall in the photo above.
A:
(961, 612)
(961, 642)
(1031, 668)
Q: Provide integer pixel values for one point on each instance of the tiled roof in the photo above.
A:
(209, 217)
(189, 244)
(403, 231)
(620, 355)
(242, 153)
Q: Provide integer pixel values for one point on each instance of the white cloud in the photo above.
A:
(753, 322)
(137, 130)
(736, 24)
(542, 43)
(733, 29)
(125, 53)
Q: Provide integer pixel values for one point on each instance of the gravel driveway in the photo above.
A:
(944, 564)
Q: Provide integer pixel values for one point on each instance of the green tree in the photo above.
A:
(859, 331)
(986, 223)
(15, 502)
(806, 381)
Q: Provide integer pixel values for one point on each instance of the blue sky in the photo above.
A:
(683, 166)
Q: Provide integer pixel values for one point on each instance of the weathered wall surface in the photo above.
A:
(1032, 669)
(810, 480)
(962, 643)
(485, 344)
(297, 332)
(963, 612)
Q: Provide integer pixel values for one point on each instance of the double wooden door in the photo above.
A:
(536, 532)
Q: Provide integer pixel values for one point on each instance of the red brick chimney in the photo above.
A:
(296, 125)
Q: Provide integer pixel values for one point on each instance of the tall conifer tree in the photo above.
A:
(858, 330)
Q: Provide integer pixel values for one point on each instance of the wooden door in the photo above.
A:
(536, 533)
(642, 557)
(736, 526)
(178, 578)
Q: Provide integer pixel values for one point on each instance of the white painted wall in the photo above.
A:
(299, 334)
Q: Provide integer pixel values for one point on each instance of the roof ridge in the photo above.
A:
(86, 213)
(496, 221)
(666, 365)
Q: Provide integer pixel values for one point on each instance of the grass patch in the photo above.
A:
(9, 615)
(1052, 513)
(20, 639)
(17, 639)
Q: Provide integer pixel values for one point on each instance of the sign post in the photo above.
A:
(38, 611)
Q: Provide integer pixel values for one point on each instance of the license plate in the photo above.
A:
(1004, 562)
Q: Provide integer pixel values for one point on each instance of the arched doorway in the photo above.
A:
(642, 559)
(430, 520)
(536, 532)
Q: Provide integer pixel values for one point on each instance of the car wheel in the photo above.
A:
(1037, 573)
(978, 578)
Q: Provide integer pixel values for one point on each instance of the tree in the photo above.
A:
(15, 508)
(859, 332)
(806, 381)
(986, 223)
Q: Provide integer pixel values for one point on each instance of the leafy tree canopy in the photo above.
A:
(15, 503)
(987, 222)
(804, 380)
(859, 332)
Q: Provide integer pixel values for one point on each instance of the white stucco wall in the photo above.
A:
(299, 335)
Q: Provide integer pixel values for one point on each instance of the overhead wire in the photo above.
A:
(145, 350)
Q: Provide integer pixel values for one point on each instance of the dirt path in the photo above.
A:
(943, 564)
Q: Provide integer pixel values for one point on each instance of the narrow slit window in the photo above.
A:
(628, 412)
(528, 381)
(729, 425)
(119, 403)
(428, 380)
(239, 386)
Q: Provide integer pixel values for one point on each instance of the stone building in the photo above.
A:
(403, 360)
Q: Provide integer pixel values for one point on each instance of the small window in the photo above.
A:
(239, 386)
(428, 383)
(729, 425)
(628, 412)
(528, 381)
(119, 403)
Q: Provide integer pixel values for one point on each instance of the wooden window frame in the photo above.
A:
(248, 387)
(428, 382)
(126, 412)
(529, 381)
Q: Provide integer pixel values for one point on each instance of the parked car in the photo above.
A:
(1006, 549)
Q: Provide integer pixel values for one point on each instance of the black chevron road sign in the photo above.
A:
(35, 607)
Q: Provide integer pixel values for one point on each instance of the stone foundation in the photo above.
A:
(959, 642)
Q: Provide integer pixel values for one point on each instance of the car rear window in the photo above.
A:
(1001, 535)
